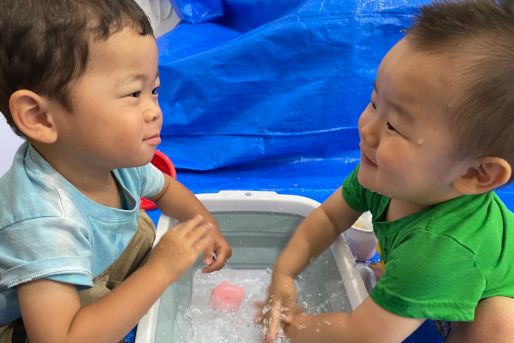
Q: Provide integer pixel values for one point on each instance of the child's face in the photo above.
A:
(116, 118)
(406, 144)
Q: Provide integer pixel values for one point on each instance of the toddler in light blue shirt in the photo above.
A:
(79, 81)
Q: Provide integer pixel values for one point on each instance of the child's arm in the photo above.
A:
(315, 234)
(368, 323)
(178, 202)
(51, 310)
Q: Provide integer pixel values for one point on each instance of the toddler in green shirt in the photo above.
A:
(436, 139)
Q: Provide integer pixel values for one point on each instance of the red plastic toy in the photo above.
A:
(164, 164)
(227, 297)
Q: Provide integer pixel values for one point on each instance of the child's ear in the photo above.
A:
(489, 174)
(30, 114)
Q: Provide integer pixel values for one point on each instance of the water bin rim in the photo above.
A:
(247, 200)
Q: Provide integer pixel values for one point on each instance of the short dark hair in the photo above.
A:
(478, 35)
(45, 43)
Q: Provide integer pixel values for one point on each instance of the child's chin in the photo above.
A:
(138, 163)
(372, 186)
(144, 163)
(365, 181)
(146, 159)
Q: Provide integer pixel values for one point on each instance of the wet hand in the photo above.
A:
(272, 312)
(179, 248)
(297, 323)
(218, 253)
(269, 317)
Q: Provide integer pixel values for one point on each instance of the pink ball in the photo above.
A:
(227, 297)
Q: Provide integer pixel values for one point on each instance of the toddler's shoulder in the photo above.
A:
(28, 192)
(141, 181)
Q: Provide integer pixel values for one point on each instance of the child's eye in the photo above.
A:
(135, 94)
(155, 91)
(391, 127)
(373, 105)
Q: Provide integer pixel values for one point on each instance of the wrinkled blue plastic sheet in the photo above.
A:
(195, 12)
(265, 94)
(238, 90)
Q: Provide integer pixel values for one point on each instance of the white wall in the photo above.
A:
(9, 143)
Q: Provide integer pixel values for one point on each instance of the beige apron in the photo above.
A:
(135, 255)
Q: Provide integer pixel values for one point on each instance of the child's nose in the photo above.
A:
(369, 131)
(152, 113)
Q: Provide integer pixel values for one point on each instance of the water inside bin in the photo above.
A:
(204, 322)
(256, 238)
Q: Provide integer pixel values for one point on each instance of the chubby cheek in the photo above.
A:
(391, 154)
(130, 128)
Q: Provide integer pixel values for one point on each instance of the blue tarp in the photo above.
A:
(277, 79)
(265, 94)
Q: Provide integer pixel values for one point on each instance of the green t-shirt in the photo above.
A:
(442, 261)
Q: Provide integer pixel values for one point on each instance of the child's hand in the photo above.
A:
(218, 253)
(179, 248)
(298, 322)
(178, 202)
(281, 299)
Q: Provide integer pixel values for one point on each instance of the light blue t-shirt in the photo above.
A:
(49, 229)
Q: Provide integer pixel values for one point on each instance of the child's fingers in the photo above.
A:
(259, 308)
(203, 243)
(222, 253)
(198, 232)
(274, 322)
(288, 319)
(259, 304)
(209, 256)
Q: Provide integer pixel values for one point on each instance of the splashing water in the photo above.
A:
(184, 312)
(205, 324)
(200, 323)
